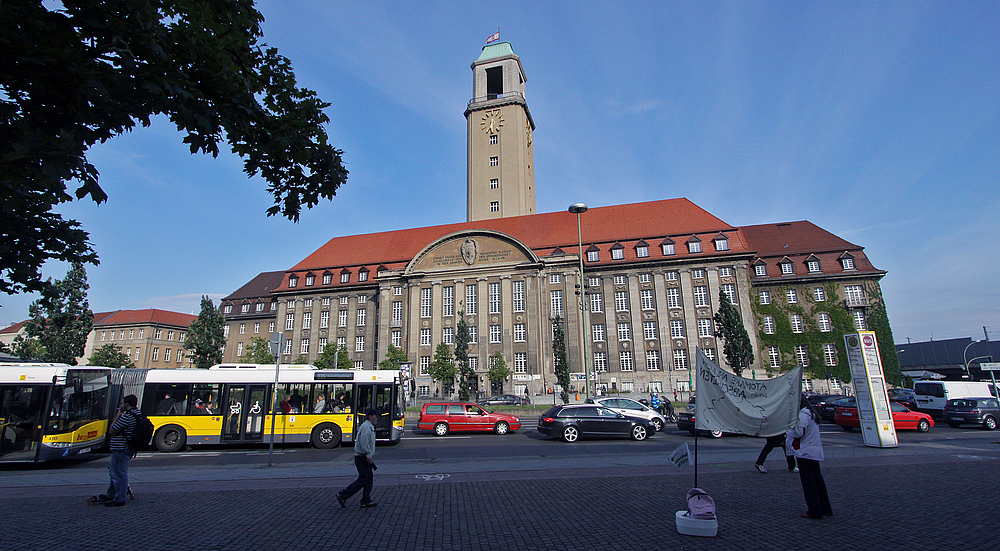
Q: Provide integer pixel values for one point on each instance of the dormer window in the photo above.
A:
(694, 245)
(721, 242)
(245, 308)
(812, 266)
(327, 278)
(260, 306)
(641, 249)
(274, 306)
(228, 309)
(345, 276)
(668, 247)
(786, 268)
(293, 282)
(847, 263)
(363, 275)
(617, 252)
(310, 280)
(760, 269)
(593, 256)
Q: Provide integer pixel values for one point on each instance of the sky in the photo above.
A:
(877, 121)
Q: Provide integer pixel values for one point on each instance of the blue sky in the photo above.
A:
(877, 121)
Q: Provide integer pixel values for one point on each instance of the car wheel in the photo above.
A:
(570, 434)
(326, 436)
(989, 423)
(923, 426)
(658, 425)
(441, 429)
(954, 425)
(501, 427)
(639, 432)
(170, 438)
(846, 428)
(716, 433)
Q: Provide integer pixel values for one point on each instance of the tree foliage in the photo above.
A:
(442, 368)
(110, 355)
(27, 349)
(259, 352)
(394, 357)
(465, 372)
(61, 319)
(737, 347)
(561, 361)
(205, 338)
(334, 357)
(498, 373)
(75, 74)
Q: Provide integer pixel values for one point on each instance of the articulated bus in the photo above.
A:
(232, 404)
(48, 411)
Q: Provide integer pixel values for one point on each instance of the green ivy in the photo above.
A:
(878, 321)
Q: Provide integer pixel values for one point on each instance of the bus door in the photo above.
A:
(243, 411)
(378, 397)
(21, 420)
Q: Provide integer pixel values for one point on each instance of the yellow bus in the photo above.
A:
(49, 411)
(232, 404)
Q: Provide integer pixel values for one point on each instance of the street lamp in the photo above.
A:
(578, 209)
(965, 361)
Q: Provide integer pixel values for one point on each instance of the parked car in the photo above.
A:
(629, 406)
(904, 396)
(820, 400)
(504, 400)
(445, 417)
(572, 422)
(686, 420)
(902, 418)
(829, 410)
(980, 411)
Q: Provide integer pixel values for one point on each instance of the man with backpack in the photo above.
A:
(124, 445)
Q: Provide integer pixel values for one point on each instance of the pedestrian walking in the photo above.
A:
(364, 460)
(121, 431)
(805, 440)
(776, 441)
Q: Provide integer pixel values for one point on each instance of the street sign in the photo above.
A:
(277, 343)
(990, 366)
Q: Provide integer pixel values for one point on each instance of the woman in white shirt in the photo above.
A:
(804, 439)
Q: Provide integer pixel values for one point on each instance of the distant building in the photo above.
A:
(250, 312)
(151, 338)
(948, 357)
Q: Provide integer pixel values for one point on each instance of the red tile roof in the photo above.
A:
(260, 286)
(149, 316)
(790, 238)
(14, 327)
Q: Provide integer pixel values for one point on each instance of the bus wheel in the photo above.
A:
(170, 438)
(326, 436)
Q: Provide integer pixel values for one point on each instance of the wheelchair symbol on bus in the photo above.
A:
(255, 409)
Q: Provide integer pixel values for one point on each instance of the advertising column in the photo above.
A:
(870, 390)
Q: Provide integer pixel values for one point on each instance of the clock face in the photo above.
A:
(492, 121)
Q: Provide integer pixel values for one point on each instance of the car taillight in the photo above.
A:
(548, 420)
(975, 412)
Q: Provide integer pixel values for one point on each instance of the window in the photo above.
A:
(494, 297)
(494, 206)
(307, 320)
(425, 302)
(495, 334)
(812, 266)
(156, 354)
(345, 277)
(327, 279)
(819, 294)
(725, 272)
(796, 320)
(359, 364)
(774, 356)
(310, 280)
(768, 325)
(700, 295)
(243, 328)
(652, 360)
(786, 268)
(397, 291)
(676, 329)
(396, 338)
(556, 301)
(792, 295)
(694, 247)
(397, 312)
(680, 359)
(304, 346)
(274, 306)
(641, 251)
(698, 273)
(324, 319)
(555, 278)
(670, 276)
(646, 298)
(621, 301)
(473, 334)
(292, 282)
(103, 335)
(729, 289)
(494, 182)
(855, 295)
(520, 362)
(802, 355)
(765, 297)
(362, 299)
(760, 270)
(362, 317)
(620, 280)
(494, 161)
(847, 263)
(425, 363)
(617, 253)
(166, 353)
(494, 139)
(597, 330)
(425, 337)
(156, 334)
(363, 275)
(259, 306)
(517, 299)
(649, 330)
(625, 358)
(704, 327)
(341, 342)
(829, 355)
(668, 249)
(645, 278)
(359, 343)
(228, 309)
(722, 244)
(448, 336)
(289, 321)
(624, 332)
(593, 256)
(342, 318)
(520, 332)
(291, 303)
(471, 300)
(859, 320)
(596, 302)
(825, 325)
(600, 362)
(270, 327)
(447, 301)
(673, 297)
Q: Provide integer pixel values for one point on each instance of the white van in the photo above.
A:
(932, 395)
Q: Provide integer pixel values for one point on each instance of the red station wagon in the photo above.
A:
(445, 417)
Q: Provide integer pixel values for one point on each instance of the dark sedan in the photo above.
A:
(685, 421)
(572, 422)
(820, 400)
(829, 410)
(904, 396)
(503, 400)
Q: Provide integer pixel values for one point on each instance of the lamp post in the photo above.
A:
(578, 209)
(965, 361)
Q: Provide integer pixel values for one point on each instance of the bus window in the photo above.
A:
(329, 398)
(20, 409)
(166, 398)
(82, 400)
(204, 399)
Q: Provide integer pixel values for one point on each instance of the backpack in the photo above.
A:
(700, 504)
(142, 435)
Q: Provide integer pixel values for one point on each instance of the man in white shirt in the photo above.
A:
(364, 457)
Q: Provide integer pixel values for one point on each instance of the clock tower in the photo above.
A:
(501, 171)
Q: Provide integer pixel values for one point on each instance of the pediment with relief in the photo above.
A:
(471, 250)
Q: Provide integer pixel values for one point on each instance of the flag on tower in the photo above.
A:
(494, 37)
